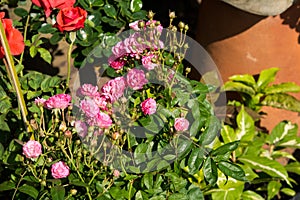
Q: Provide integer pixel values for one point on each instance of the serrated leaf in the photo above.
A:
(282, 101)
(32, 51)
(273, 189)
(45, 54)
(266, 76)
(210, 171)
(271, 167)
(238, 87)
(29, 190)
(47, 28)
(148, 180)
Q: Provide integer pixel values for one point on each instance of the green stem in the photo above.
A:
(72, 37)
(130, 188)
(15, 192)
(14, 77)
(25, 37)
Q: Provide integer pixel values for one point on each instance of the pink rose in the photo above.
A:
(147, 61)
(60, 170)
(159, 28)
(149, 106)
(181, 124)
(118, 50)
(101, 102)
(81, 128)
(59, 101)
(132, 46)
(136, 79)
(49, 5)
(32, 149)
(116, 63)
(103, 120)
(39, 101)
(89, 107)
(88, 90)
(114, 88)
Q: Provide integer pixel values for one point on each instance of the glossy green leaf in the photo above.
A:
(195, 160)
(273, 189)
(195, 193)
(110, 10)
(266, 76)
(251, 195)
(29, 190)
(210, 133)
(232, 170)
(33, 51)
(282, 101)
(21, 12)
(228, 134)
(58, 193)
(56, 37)
(47, 28)
(246, 127)
(229, 147)
(136, 5)
(271, 167)
(148, 180)
(210, 171)
(246, 79)
(239, 87)
(45, 54)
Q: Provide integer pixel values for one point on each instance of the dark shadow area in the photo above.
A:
(224, 21)
(291, 18)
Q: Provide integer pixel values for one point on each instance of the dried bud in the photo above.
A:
(188, 70)
(181, 25)
(174, 29)
(115, 135)
(49, 160)
(150, 15)
(172, 15)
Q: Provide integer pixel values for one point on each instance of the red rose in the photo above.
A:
(14, 37)
(49, 5)
(70, 19)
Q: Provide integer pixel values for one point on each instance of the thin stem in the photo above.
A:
(25, 37)
(15, 192)
(69, 62)
(14, 77)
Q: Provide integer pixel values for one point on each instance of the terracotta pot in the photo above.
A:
(244, 43)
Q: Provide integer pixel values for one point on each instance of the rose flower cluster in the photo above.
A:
(69, 18)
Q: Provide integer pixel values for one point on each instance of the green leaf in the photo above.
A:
(140, 152)
(47, 28)
(33, 51)
(58, 193)
(246, 127)
(281, 131)
(266, 76)
(229, 147)
(271, 167)
(118, 193)
(7, 185)
(136, 5)
(195, 160)
(288, 191)
(210, 133)
(250, 195)
(273, 189)
(45, 54)
(148, 180)
(210, 171)
(21, 12)
(195, 193)
(238, 87)
(232, 170)
(283, 88)
(29, 190)
(228, 134)
(246, 79)
(282, 101)
(176, 196)
(56, 37)
(110, 10)
(293, 167)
